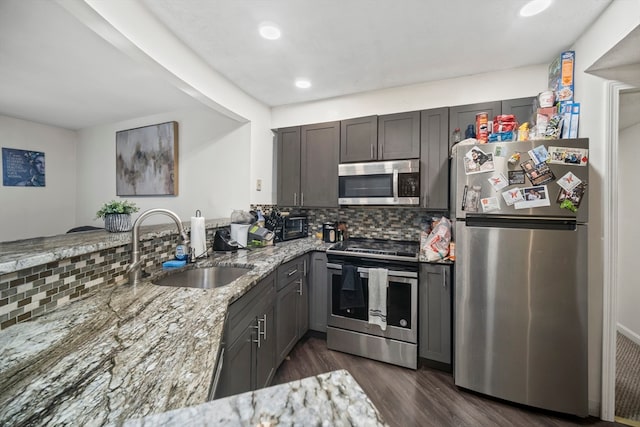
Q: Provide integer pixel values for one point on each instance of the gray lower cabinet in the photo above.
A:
(434, 307)
(248, 360)
(292, 305)
(434, 158)
(399, 136)
(359, 139)
(318, 292)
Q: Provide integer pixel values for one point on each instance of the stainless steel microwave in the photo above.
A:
(395, 182)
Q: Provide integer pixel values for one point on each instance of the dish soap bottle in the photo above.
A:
(181, 252)
(260, 221)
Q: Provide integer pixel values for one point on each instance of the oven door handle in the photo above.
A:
(364, 272)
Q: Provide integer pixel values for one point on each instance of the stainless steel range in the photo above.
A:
(352, 265)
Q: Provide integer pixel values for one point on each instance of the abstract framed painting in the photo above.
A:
(147, 161)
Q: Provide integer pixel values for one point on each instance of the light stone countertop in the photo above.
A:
(124, 352)
(331, 399)
(19, 254)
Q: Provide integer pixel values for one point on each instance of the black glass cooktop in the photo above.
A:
(373, 247)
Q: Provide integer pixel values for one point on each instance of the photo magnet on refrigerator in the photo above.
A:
(516, 177)
(569, 181)
(571, 199)
(498, 181)
(569, 156)
(539, 154)
(490, 204)
(512, 196)
(534, 197)
(477, 161)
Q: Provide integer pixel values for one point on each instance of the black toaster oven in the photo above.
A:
(292, 227)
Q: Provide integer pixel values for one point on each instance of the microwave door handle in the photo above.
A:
(395, 185)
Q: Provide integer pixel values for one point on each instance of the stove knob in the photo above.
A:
(403, 323)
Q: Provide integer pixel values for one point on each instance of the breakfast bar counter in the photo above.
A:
(121, 351)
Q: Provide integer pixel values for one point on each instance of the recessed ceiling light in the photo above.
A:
(534, 7)
(269, 31)
(303, 83)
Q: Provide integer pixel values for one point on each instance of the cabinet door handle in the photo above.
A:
(371, 146)
(301, 199)
(257, 340)
(295, 199)
(305, 268)
(292, 272)
(300, 287)
(264, 323)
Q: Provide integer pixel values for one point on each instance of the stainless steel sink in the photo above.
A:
(202, 278)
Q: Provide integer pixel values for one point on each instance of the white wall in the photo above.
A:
(213, 167)
(628, 204)
(618, 20)
(150, 39)
(516, 83)
(39, 211)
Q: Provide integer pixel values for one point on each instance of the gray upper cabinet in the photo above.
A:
(435, 302)
(319, 165)
(522, 108)
(434, 158)
(288, 158)
(399, 136)
(307, 162)
(359, 139)
(462, 116)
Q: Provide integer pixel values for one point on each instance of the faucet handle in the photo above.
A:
(192, 254)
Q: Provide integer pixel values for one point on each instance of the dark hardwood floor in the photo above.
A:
(426, 397)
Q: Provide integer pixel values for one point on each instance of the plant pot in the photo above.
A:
(117, 223)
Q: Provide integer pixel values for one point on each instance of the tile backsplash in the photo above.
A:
(395, 223)
(32, 291)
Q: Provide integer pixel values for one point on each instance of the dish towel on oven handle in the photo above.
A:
(378, 297)
(351, 293)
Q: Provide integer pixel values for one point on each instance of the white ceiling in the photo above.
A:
(55, 70)
(360, 45)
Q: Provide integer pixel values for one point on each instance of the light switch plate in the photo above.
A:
(259, 185)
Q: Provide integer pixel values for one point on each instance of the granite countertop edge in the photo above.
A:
(333, 398)
(20, 254)
(97, 360)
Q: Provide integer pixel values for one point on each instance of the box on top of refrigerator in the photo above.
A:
(561, 73)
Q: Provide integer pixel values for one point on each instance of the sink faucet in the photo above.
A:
(135, 267)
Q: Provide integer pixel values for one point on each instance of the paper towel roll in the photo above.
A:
(198, 236)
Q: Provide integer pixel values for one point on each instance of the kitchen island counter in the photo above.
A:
(123, 351)
(334, 398)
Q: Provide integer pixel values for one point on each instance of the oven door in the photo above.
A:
(402, 305)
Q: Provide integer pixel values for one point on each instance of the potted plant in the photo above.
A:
(117, 215)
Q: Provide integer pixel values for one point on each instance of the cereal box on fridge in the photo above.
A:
(561, 73)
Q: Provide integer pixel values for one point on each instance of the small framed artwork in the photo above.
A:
(23, 168)
(147, 161)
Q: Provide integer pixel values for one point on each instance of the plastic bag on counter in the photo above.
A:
(241, 217)
(435, 245)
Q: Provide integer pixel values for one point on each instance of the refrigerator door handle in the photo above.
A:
(522, 222)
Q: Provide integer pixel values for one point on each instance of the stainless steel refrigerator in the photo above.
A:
(520, 325)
